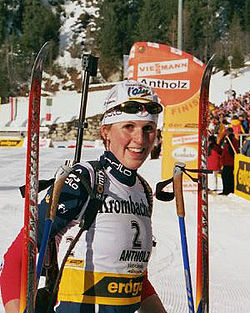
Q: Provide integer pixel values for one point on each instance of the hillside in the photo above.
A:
(77, 19)
(109, 29)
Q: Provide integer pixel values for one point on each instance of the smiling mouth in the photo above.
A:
(136, 150)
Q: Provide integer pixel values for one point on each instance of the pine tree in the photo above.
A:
(154, 21)
(237, 42)
(194, 40)
(3, 21)
(116, 27)
(38, 28)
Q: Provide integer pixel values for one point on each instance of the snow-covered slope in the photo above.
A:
(76, 31)
(221, 84)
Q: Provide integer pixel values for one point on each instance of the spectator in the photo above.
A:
(213, 160)
(244, 122)
(246, 147)
(237, 127)
(222, 131)
(231, 146)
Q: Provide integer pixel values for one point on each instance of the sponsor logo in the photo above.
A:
(128, 288)
(185, 139)
(118, 166)
(124, 207)
(134, 256)
(138, 91)
(161, 68)
(73, 181)
(116, 287)
(11, 142)
(243, 177)
(62, 208)
(184, 153)
(167, 84)
(135, 268)
(74, 263)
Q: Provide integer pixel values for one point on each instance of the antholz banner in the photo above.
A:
(242, 176)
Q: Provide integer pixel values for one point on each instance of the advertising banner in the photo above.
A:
(11, 142)
(176, 77)
(242, 176)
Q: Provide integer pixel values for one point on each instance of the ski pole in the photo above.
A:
(89, 65)
(231, 144)
(178, 191)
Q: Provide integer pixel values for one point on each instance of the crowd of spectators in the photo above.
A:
(229, 123)
(234, 113)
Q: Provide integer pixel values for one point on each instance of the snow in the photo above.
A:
(229, 224)
(239, 81)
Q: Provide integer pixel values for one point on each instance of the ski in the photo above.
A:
(202, 274)
(29, 249)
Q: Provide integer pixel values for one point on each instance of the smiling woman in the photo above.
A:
(110, 276)
(131, 142)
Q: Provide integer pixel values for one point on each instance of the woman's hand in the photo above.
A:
(12, 306)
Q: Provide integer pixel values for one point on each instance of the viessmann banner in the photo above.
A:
(176, 77)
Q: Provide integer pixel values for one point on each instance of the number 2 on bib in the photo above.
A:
(136, 240)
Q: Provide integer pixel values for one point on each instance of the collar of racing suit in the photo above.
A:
(117, 169)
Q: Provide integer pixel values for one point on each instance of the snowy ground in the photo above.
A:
(229, 224)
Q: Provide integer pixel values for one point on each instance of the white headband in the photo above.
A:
(128, 90)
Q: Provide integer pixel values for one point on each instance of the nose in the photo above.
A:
(138, 136)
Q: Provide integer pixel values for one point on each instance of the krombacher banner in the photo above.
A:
(242, 176)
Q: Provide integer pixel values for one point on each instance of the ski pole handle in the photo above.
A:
(177, 183)
(61, 176)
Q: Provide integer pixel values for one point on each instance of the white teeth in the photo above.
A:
(136, 149)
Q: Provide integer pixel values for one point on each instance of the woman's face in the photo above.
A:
(131, 142)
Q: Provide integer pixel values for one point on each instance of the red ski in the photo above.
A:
(28, 278)
(202, 281)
